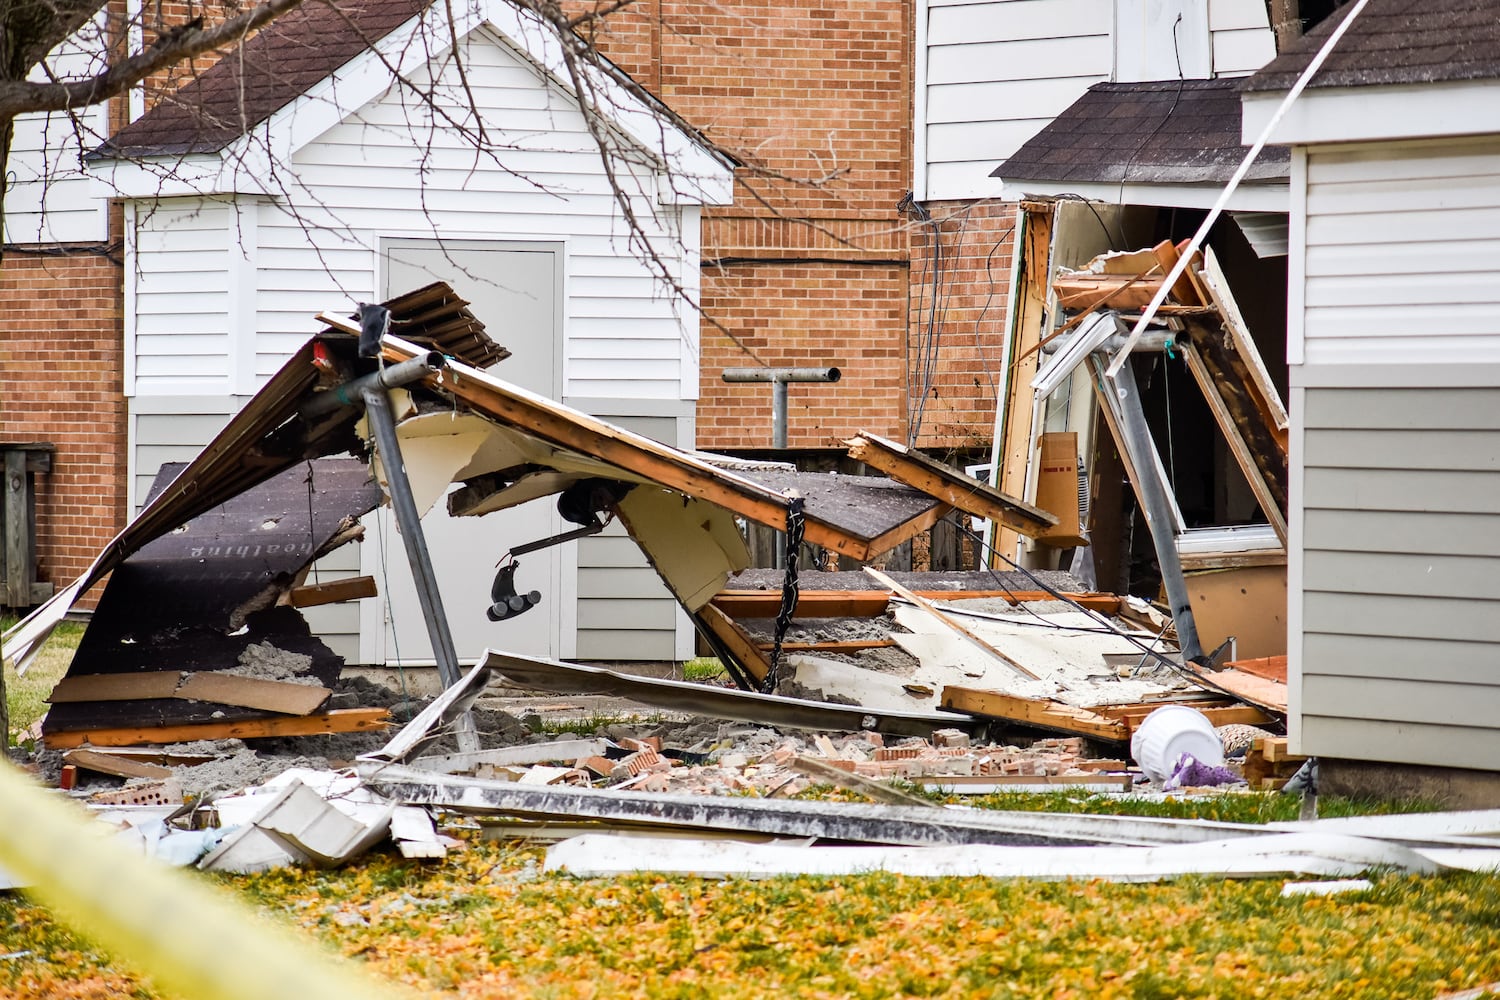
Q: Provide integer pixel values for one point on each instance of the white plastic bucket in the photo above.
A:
(1168, 733)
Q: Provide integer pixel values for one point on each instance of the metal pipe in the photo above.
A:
(1158, 508)
(378, 411)
(352, 392)
(779, 377)
(782, 375)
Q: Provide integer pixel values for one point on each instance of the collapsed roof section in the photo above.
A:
(457, 424)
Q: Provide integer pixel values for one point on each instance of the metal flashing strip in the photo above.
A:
(722, 703)
(843, 821)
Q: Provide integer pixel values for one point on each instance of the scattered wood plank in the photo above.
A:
(872, 603)
(1220, 715)
(1033, 712)
(204, 685)
(114, 764)
(844, 646)
(979, 783)
(1268, 765)
(948, 620)
(1267, 694)
(115, 687)
(253, 692)
(1272, 668)
(737, 641)
(341, 720)
(352, 589)
(949, 485)
(878, 791)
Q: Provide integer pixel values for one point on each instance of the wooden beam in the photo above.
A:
(1238, 446)
(1014, 446)
(340, 720)
(1219, 715)
(1033, 712)
(737, 641)
(579, 432)
(116, 687)
(851, 646)
(1182, 289)
(949, 485)
(120, 767)
(352, 589)
(253, 692)
(948, 620)
(1272, 668)
(871, 603)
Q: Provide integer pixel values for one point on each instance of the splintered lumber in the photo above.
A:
(1219, 714)
(1268, 765)
(253, 692)
(1267, 694)
(737, 641)
(340, 720)
(1272, 668)
(877, 791)
(949, 485)
(115, 687)
(842, 646)
(948, 620)
(873, 603)
(114, 764)
(1033, 712)
(351, 589)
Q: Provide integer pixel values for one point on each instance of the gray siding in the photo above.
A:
(625, 612)
(1400, 574)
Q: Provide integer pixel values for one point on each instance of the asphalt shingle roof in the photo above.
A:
(1396, 42)
(1164, 132)
(268, 72)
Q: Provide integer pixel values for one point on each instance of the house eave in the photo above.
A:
(1406, 111)
(1256, 197)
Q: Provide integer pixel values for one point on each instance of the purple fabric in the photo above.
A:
(1187, 772)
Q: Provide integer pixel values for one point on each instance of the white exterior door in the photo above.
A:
(516, 290)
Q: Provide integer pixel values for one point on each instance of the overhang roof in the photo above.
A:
(264, 75)
(291, 58)
(1159, 132)
(1396, 42)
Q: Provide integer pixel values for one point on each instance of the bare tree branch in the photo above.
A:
(18, 95)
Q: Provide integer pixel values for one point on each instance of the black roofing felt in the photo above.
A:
(1163, 132)
(268, 72)
(1396, 42)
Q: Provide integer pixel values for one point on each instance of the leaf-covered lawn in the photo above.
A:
(486, 923)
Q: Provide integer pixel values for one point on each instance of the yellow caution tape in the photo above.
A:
(190, 937)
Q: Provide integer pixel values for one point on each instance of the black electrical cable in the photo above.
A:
(795, 526)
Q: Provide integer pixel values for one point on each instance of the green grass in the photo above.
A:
(704, 670)
(25, 697)
(483, 923)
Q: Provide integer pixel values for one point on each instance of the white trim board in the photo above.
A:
(1365, 114)
(1259, 197)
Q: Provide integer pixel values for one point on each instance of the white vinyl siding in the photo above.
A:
(1400, 573)
(1400, 250)
(1242, 38)
(48, 197)
(247, 280)
(996, 72)
(178, 331)
(543, 181)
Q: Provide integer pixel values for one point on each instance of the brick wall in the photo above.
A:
(955, 350)
(60, 381)
(808, 266)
